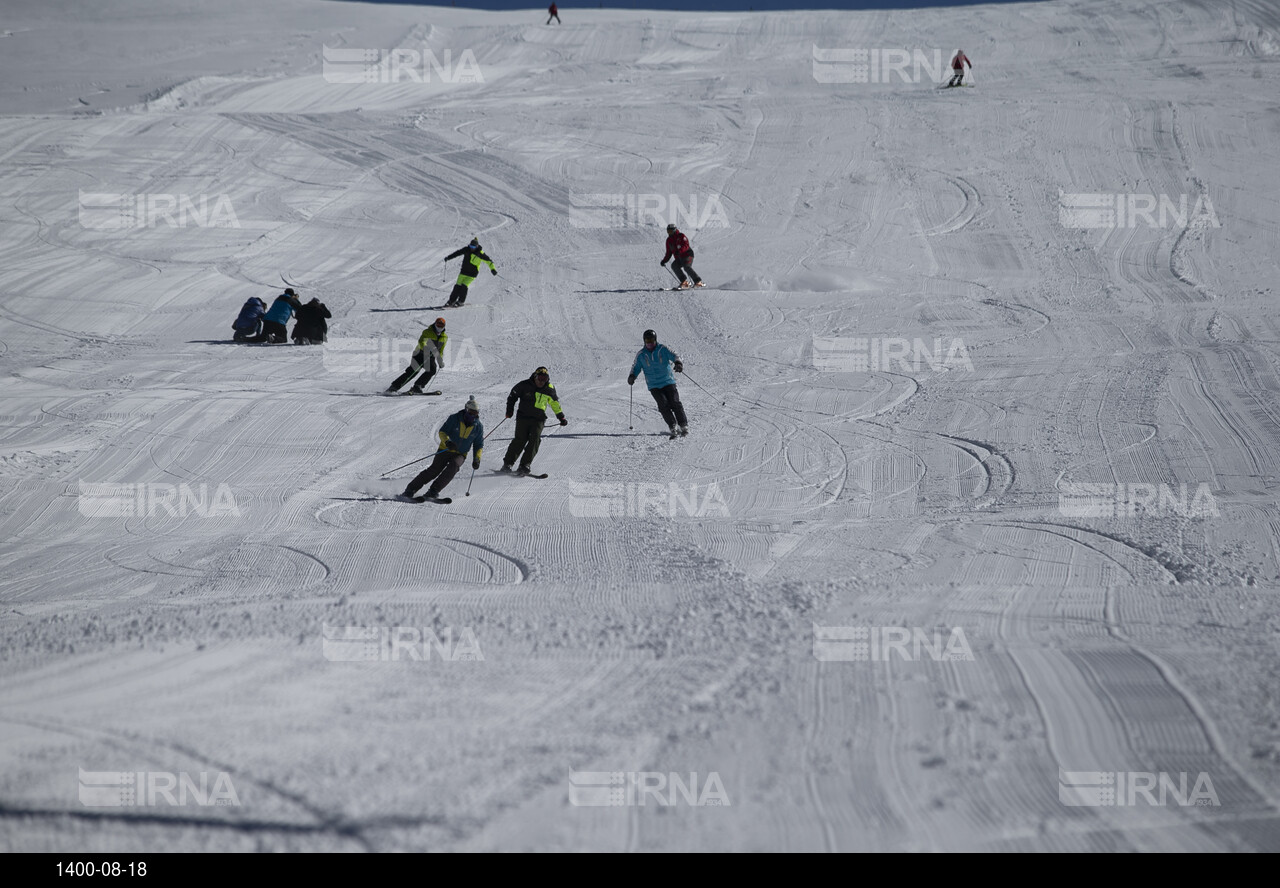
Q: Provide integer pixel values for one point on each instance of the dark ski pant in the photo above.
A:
(527, 441)
(680, 266)
(458, 296)
(416, 364)
(957, 77)
(271, 332)
(669, 404)
(442, 469)
(557, 18)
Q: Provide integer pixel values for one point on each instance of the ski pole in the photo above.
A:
(695, 382)
(630, 405)
(473, 477)
(673, 274)
(405, 466)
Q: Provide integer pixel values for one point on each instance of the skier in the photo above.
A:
(312, 329)
(474, 255)
(428, 354)
(249, 322)
(656, 362)
(957, 68)
(678, 247)
(535, 395)
(555, 14)
(273, 322)
(460, 432)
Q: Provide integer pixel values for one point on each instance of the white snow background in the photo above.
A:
(832, 502)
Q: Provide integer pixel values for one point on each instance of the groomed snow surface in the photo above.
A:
(1085, 667)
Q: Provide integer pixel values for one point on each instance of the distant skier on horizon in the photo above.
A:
(678, 249)
(473, 256)
(957, 68)
(555, 14)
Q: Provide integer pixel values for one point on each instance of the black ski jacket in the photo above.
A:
(534, 401)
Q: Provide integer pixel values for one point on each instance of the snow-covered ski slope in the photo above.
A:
(834, 501)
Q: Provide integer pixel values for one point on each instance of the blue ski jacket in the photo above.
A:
(458, 436)
(656, 365)
(282, 309)
(250, 315)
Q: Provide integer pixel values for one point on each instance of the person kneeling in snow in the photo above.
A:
(273, 323)
(460, 432)
(249, 322)
(312, 329)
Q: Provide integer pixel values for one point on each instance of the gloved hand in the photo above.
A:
(475, 463)
(494, 270)
(663, 263)
(679, 366)
(631, 379)
(508, 414)
(563, 421)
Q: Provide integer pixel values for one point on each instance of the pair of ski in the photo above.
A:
(438, 500)
(518, 475)
(410, 392)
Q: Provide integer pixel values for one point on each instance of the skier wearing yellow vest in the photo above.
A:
(428, 354)
(472, 257)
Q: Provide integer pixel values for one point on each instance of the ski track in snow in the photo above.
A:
(618, 637)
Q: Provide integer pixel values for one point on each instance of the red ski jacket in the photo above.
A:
(960, 61)
(678, 246)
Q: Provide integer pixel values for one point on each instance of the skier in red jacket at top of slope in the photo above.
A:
(555, 14)
(679, 249)
(957, 68)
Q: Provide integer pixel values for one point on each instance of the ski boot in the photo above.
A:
(506, 470)
(524, 470)
(699, 284)
(684, 431)
(684, 285)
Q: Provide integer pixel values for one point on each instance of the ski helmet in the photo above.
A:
(440, 323)
(650, 336)
(475, 242)
(671, 226)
